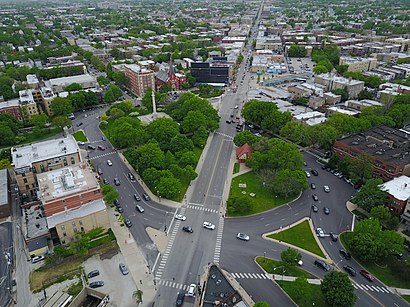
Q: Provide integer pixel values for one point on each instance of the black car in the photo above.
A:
(146, 197)
(326, 210)
(333, 236)
(93, 274)
(116, 202)
(117, 181)
(180, 298)
(350, 270)
(128, 223)
(120, 209)
(228, 121)
(314, 172)
(315, 198)
(314, 208)
(345, 254)
(79, 124)
(137, 197)
(323, 265)
(187, 229)
(96, 284)
(131, 176)
(91, 147)
(105, 181)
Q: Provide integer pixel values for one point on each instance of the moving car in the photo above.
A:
(345, 254)
(93, 274)
(191, 290)
(208, 225)
(99, 171)
(137, 197)
(307, 174)
(117, 181)
(37, 259)
(333, 236)
(320, 232)
(315, 198)
(91, 147)
(128, 223)
(123, 269)
(314, 208)
(367, 275)
(80, 143)
(180, 298)
(187, 229)
(120, 209)
(242, 236)
(323, 265)
(326, 210)
(109, 162)
(100, 147)
(146, 197)
(350, 270)
(131, 176)
(314, 172)
(139, 208)
(79, 124)
(96, 284)
(180, 217)
(326, 188)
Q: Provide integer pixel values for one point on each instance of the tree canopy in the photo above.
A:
(338, 290)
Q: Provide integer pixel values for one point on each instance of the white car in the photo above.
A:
(326, 188)
(109, 162)
(180, 217)
(209, 225)
(242, 236)
(320, 232)
(307, 174)
(191, 290)
(236, 106)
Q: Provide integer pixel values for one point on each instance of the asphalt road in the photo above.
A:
(6, 263)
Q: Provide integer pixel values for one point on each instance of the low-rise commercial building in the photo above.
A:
(57, 85)
(358, 64)
(332, 82)
(139, 79)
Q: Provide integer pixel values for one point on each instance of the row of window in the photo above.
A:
(80, 222)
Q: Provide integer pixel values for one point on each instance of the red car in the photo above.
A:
(367, 275)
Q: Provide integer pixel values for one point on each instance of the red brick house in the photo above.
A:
(243, 152)
(170, 77)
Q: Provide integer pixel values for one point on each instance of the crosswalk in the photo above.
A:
(173, 284)
(372, 288)
(250, 276)
(218, 246)
(225, 135)
(201, 208)
(103, 155)
(164, 258)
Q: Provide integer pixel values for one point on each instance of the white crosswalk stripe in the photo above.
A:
(172, 284)
(225, 135)
(250, 275)
(372, 288)
(218, 244)
(103, 155)
(201, 208)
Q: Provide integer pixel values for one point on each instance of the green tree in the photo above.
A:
(365, 94)
(370, 195)
(127, 132)
(320, 69)
(137, 295)
(341, 69)
(5, 163)
(360, 168)
(61, 106)
(261, 304)
(146, 156)
(7, 136)
(180, 142)
(290, 257)
(386, 218)
(119, 78)
(296, 132)
(73, 87)
(61, 122)
(102, 80)
(338, 290)
(163, 130)
(289, 182)
(169, 187)
(244, 137)
(296, 51)
(110, 193)
(238, 205)
(193, 121)
(400, 113)
(39, 120)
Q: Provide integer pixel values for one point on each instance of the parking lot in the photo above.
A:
(119, 287)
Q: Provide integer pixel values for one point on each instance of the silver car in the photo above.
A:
(123, 269)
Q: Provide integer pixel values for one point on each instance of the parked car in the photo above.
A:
(37, 258)
(81, 143)
(315, 198)
(350, 270)
(93, 273)
(128, 223)
(96, 284)
(139, 209)
(326, 188)
(191, 290)
(187, 229)
(326, 210)
(312, 186)
(137, 197)
(120, 209)
(208, 225)
(367, 275)
(333, 236)
(323, 265)
(314, 208)
(314, 172)
(146, 197)
(100, 147)
(123, 269)
(99, 171)
(307, 174)
(105, 181)
(117, 181)
(116, 202)
(131, 177)
(345, 254)
(242, 236)
(180, 217)
(320, 232)
(79, 124)
(91, 147)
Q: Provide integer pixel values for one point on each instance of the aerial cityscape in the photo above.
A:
(204, 153)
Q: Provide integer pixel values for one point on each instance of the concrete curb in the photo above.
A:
(327, 259)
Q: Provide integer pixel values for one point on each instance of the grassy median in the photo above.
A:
(301, 236)
(80, 136)
(308, 295)
(276, 267)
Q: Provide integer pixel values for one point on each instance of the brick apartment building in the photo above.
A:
(389, 148)
(139, 79)
(399, 196)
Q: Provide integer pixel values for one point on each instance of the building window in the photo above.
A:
(80, 222)
(72, 160)
(82, 229)
(25, 180)
(64, 234)
(27, 187)
(63, 242)
(73, 224)
(75, 230)
(42, 167)
(65, 162)
(23, 175)
(62, 227)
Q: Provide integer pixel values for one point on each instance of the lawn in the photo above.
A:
(263, 199)
(236, 168)
(392, 272)
(301, 236)
(406, 298)
(75, 289)
(80, 136)
(311, 295)
(270, 265)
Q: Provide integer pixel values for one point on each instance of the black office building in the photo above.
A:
(206, 72)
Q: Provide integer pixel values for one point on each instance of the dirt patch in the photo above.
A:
(109, 254)
(159, 238)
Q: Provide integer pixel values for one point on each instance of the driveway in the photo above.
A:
(119, 287)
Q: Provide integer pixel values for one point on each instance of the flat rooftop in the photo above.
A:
(35, 221)
(72, 79)
(65, 181)
(4, 195)
(137, 68)
(398, 187)
(25, 156)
